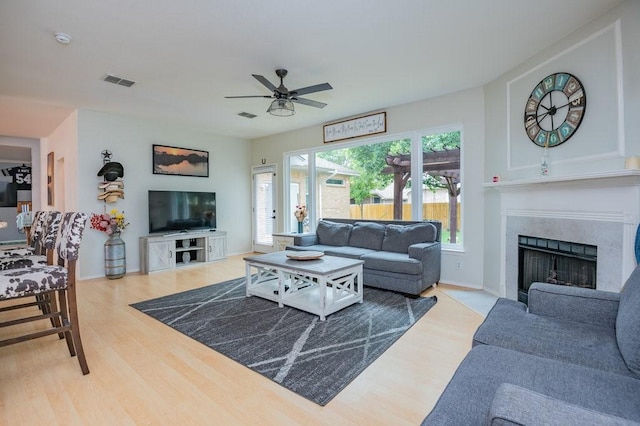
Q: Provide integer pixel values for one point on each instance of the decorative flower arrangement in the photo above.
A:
(300, 213)
(109, 223)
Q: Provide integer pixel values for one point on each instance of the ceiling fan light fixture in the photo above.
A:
(281, 108)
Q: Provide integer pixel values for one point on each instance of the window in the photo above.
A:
(373, 180)
(298, 166)
(441, 182)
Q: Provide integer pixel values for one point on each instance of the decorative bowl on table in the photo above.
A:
(304, 255)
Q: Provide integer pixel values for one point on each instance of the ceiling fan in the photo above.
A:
(284, 98)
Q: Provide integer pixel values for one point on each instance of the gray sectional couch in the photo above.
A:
(402, 256)
(571, 358)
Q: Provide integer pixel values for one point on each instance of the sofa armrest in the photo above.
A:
(421, 250)
(574, 303)
(430, 255)
(308, 239)
(515, 405)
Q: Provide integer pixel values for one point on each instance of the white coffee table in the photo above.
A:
(319, 286)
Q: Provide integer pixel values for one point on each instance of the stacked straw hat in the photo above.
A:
(112, 189)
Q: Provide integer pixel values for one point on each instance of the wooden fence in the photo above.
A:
(432, 211)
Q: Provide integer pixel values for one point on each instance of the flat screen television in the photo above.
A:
(8, 194)
(177, 211)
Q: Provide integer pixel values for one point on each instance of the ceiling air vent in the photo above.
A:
(118, 80)
(247, 115)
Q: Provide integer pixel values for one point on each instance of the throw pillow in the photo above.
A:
(628, 322)
(398, 238)
(333, 233)
(367, 235)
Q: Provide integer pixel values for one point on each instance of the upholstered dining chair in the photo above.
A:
(38, 229)
(57, 281)
(44, 240)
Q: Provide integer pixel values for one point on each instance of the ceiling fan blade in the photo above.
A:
(311, 89)
(255, 96)
(309, 102)
(264, 81)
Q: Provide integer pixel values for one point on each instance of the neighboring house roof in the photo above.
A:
(387, 193)
(428, 196)
(301, 162)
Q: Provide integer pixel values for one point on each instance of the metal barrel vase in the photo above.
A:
(115, 257)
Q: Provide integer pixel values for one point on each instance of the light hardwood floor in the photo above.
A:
(144, 373)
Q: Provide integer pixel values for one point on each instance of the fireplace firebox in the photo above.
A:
(555, 262)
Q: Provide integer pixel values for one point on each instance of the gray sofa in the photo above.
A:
(401, 256)
(571, 358)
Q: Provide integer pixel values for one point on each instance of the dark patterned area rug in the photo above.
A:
(315, 359)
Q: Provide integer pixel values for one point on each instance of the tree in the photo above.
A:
(439, 142)
(368, 161)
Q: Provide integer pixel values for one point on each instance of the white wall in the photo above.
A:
(63, 142)
(130, 140)
(465, 109)
(604, 56)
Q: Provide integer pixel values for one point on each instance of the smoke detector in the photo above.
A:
(62, 38)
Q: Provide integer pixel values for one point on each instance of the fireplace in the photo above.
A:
(601, 209)
(555, 262)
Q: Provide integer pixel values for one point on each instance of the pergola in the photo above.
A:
(444, 164)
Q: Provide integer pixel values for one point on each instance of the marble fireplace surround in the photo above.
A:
(601, 209)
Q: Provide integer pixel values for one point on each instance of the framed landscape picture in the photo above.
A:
(171, 160)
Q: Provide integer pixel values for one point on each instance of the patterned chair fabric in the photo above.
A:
(32, 281)
(39, 223)
(45, 230)
(17, 262)
(16, 252)
(50, 234)
(68, 246)
(36, 230)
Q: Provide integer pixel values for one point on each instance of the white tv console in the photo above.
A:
(174, 250)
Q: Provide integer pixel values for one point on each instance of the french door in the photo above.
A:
(264, 211)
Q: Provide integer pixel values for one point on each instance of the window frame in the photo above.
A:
(416, 170)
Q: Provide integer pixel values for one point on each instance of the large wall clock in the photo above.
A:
(555, 109)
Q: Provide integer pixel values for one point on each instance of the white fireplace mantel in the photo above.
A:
(610, 178)
(601, 209)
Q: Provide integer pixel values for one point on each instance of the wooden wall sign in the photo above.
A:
(356, 127)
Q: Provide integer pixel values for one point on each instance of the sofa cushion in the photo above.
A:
(510, 326)
(516, 405)
(398, 238)
(347, 251)
(392, 262)
(333, 233)
(367, 235)
(628, 322)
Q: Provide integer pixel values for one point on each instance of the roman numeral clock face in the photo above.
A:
(555, 109)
